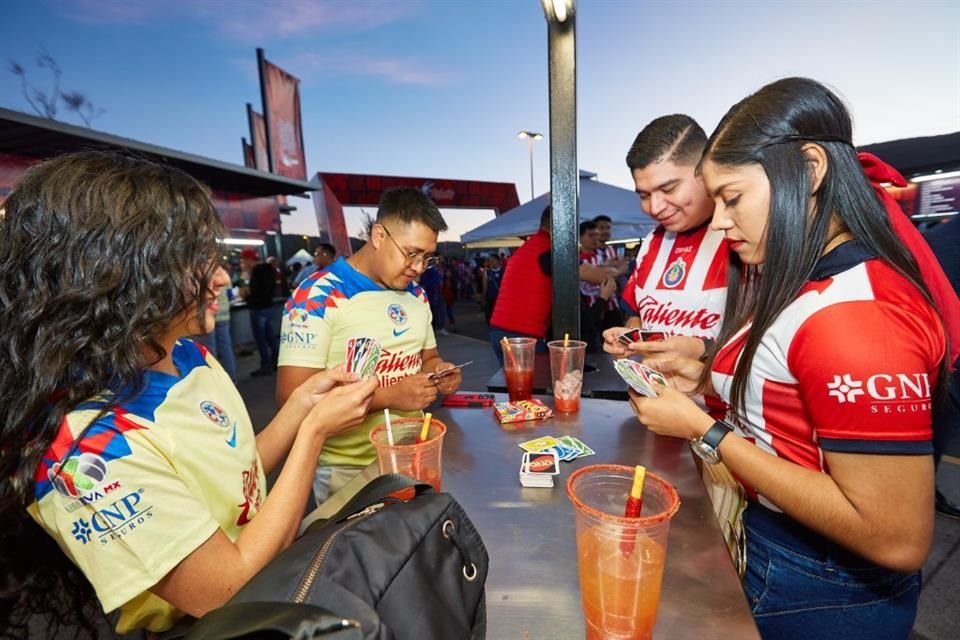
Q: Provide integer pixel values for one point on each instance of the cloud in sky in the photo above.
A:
(392, 69)
(248, 20)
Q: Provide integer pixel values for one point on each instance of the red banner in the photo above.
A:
(258, 139)
(281, 92)
(330, 219)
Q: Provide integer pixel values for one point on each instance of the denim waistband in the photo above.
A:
(786, 532)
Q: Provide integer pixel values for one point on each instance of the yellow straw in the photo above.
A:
(639, 474)
(566, 339)
(426, 427)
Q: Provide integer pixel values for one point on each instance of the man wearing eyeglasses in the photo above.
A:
(372, 293)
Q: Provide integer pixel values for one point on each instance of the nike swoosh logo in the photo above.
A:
(232, 440)
(397, 333)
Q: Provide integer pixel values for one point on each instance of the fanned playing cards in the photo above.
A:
(362, 356)
(641, 379)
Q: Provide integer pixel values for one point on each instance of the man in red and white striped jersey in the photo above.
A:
(679, 285)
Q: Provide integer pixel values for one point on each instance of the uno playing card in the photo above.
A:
(641, 379)
(538, 469)
(539, 444)
(362, 355)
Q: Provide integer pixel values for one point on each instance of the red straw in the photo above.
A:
(633, 507)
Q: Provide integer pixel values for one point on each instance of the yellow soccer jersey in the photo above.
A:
(149, 482)
(339, 303)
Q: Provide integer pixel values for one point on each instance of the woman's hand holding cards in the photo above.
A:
(671, 413)
(683, 373)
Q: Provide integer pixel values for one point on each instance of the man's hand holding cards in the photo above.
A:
(641, 379)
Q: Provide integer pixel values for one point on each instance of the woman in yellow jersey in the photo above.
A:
(129, 469)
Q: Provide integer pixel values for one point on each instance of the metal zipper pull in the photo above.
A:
(371, 509)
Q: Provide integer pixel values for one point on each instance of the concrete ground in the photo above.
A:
(939, 614)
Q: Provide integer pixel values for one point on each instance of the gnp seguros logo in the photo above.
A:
(884, 392)
(113, 521)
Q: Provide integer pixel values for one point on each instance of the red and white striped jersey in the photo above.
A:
(847, 367)
(679, 285)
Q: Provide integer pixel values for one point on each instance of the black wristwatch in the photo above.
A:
(706, 445)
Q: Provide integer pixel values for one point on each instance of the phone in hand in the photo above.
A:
(468, 400)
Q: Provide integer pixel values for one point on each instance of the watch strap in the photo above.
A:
(717, 432)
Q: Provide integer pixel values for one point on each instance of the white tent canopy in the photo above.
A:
(596, 198)
(301, 256)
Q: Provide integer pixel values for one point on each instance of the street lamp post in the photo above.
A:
(530, 136)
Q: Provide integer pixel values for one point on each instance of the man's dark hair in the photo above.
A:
(587, 225)
(602, 218)
(545, 218)
(676, 138)
(326, 247)
(408, 205)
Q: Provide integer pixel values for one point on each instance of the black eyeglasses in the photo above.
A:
(414, 257)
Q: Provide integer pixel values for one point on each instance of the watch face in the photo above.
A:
(706, 453)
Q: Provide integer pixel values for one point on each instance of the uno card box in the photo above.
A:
(521, 411)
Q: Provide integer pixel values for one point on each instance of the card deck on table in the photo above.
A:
(538, 468)
(641, 379)
(362, 355)
(468, 400)
(521, 411)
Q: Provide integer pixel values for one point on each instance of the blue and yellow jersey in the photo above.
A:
(129, 494)
(340, 303)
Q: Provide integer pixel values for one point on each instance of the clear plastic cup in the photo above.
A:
(419, 460)
(620, 559)
(518, 356)
(566, 373)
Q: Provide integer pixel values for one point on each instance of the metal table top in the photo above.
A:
(600, 382)
(532, 586)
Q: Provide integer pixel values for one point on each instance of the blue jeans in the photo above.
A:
(268, 343)
(498, 334)
(220, 345)
(800, 585)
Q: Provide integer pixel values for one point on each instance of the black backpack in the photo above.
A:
(382, 568)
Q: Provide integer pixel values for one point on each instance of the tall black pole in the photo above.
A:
(262, 67)
(564, 182)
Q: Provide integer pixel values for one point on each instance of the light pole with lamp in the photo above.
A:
(530, 136)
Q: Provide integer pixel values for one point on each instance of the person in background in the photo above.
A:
(490, 286)
(594, 298)
(130, 476)
(220, 342)
(526, 291)
(323, 257)
(611, 315)
(679, 285)
(432, 280)
(258, 293)
(829, 361)
(944, 240)
(372, 293)
(448, 290)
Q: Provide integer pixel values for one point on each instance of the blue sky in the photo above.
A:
(440, 88)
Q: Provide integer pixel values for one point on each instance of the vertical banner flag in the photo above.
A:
(330, 219)
(249, 161)
(258, 139)
(281, 108)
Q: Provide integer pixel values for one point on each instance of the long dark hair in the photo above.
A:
(99, 254)
(769, 128)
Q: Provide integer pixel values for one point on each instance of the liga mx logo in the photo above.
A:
(215, 414)
(397, 315)
(675, 273)
(79, 475)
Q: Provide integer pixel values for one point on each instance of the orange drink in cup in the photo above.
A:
(518, 356)
(620, 583)
(419, 460)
